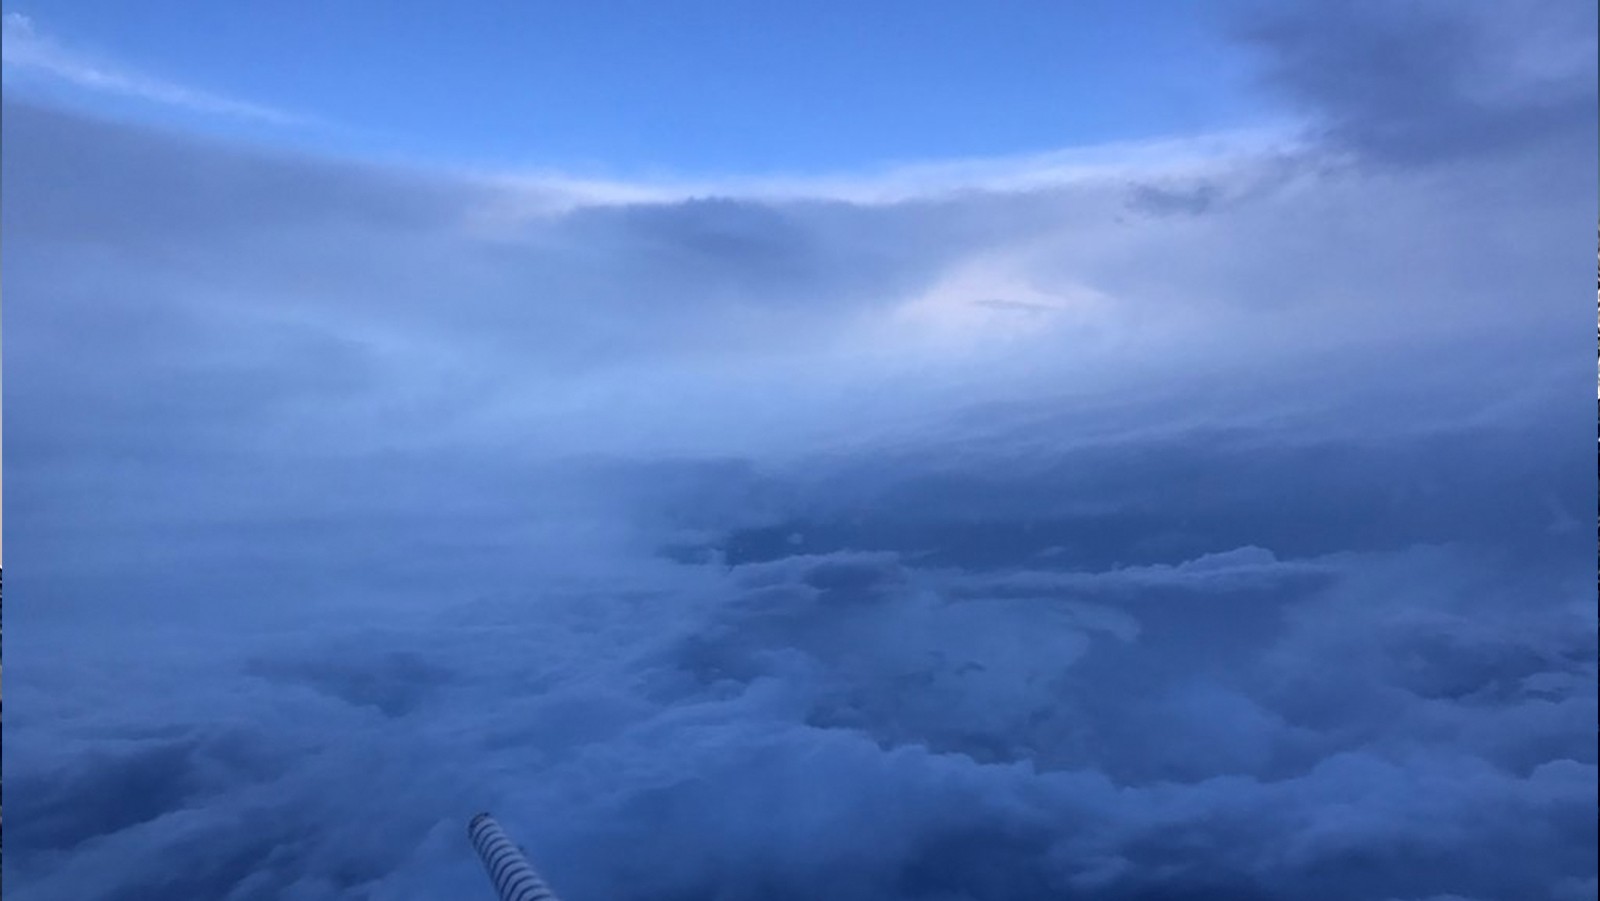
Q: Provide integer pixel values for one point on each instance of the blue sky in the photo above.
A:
(707, 88)
(1112, 452)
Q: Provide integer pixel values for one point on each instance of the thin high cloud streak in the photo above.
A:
(530, 192)
(30, 53)
(743, 548)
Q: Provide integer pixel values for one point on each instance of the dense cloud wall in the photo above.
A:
(1188, 530)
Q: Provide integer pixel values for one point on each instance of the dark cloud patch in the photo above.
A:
(105, 792)
(1169, 201)
(395, 683)
(1414, 82)
(1160, 500)
(726, 235)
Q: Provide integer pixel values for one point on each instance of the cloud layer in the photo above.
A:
(1173, 529)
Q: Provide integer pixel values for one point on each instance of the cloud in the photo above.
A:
(737, 546)
(1190, 156)
(30, 53)
(1421, 80)
(884, 745)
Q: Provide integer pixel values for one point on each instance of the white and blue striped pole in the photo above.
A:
(513, 878)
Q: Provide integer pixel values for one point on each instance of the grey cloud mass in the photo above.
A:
(737, 547)
(1424, 80)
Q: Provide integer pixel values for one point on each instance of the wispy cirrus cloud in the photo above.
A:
(28, 51)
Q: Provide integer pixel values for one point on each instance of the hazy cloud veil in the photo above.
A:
(1211, 527)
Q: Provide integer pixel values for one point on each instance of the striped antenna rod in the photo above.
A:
(514, 879)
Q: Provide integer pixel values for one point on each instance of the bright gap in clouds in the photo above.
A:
(1186, 525)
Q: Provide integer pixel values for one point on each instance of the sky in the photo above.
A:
(707, 88)
(1096, 451)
